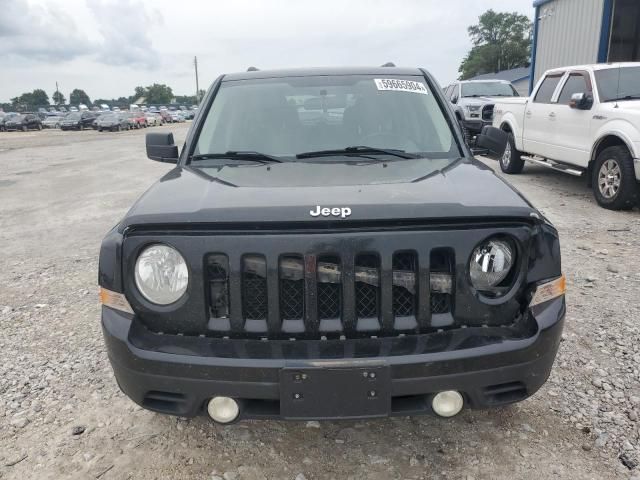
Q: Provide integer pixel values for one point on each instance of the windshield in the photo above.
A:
(73, 116)
(488, 89)
(285, 117)
(618, 83)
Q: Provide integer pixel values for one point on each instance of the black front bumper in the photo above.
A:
(178, 374)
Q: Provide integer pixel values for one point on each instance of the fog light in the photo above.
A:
(223, 409)
(448, 403)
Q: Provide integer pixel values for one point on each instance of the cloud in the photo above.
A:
(39, 33)
(125, 27)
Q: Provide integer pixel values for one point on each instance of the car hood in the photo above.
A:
(280, 193)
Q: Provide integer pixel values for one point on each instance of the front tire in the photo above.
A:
(510, 162)
(614, 179)
(24, 128)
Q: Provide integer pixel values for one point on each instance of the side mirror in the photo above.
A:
(581, 101)
(454, 99)
(161, 147)
(493, 140)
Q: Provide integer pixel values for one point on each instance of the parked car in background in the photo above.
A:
(584, 121)
(24, 122)
(166, 117)
(130, 117)
(154, 119)
(139, 118)
(473, 102)
(5, 118)
(114, 122)
(96, 115)
(52, 121)
(116, 109)
(78, 121)
(176, 116)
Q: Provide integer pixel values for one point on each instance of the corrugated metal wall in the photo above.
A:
(568, 34)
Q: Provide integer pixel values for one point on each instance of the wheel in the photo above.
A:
(81, 127)
(57, 125)
(100, 129)
(614, 180)
(39, 126)
(24, 128)
(510, 162)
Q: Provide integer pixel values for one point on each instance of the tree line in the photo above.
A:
(501, 41)
(156, 94)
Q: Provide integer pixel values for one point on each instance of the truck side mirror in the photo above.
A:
(161, 147)
(581, 101)
(454, 99)
(493, 140)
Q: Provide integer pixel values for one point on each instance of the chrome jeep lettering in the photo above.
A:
(342, 212)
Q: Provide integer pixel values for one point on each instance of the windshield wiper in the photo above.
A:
(248, 155)
(357, 151)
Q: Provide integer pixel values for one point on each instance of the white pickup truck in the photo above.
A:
(584, 121)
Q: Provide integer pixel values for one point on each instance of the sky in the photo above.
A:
(108, 47)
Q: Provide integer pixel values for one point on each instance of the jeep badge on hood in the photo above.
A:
(342, 212)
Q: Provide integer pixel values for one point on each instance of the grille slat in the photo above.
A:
(295, 296)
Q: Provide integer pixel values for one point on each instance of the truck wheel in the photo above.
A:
(614, 179)
(510, 162)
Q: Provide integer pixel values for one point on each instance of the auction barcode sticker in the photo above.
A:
(400, 85)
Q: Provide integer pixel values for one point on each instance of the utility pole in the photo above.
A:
(57, 94)
(195, 64)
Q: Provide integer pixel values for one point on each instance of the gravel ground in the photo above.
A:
(62, 415)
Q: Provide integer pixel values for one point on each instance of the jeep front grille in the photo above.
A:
(307, 296)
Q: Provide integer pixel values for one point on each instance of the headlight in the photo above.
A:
(491, 262)
(473, 108)
(161, 274)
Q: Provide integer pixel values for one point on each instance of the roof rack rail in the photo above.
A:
(388, 64)
(253, 69)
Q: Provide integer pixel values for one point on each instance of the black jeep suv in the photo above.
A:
(328, 247)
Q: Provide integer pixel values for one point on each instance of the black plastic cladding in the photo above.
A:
(190, 314)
